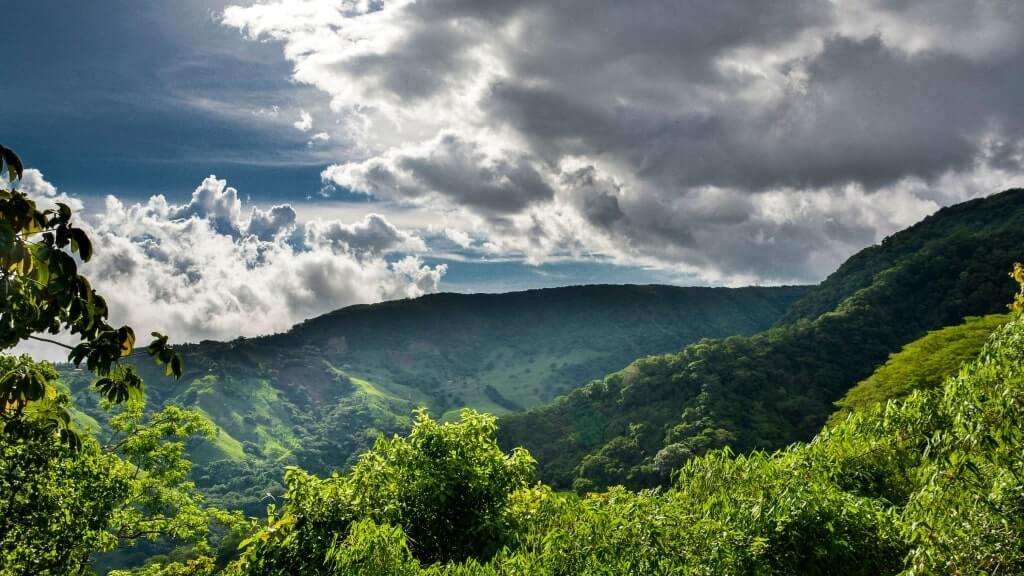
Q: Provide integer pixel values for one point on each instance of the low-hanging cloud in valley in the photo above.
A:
(214, 268)
(740, 140)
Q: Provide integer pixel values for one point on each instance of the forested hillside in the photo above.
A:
(861, 270)
(765, 391)
(320, 394)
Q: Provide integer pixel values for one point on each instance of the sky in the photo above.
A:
(245, 166)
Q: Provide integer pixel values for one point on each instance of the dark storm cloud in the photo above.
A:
(597, 198)
(872, 115)
(866, 114)
(758, 139)
(419, 66)
(454, 168)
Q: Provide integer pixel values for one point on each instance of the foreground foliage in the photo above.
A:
(65, 496)
(441, 493)
(63, 504)
(931, 484)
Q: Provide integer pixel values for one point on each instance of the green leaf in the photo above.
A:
(14, 166)
(81, 243)
(174, 368)
(159, 343)
(165, 355)
(70, 438)
(114, 391)
(126, 338)
(41, 252)
(6, 236)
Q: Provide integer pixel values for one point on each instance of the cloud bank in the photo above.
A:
(214, 268)
(740, 140)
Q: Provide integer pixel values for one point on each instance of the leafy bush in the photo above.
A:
(446, 487)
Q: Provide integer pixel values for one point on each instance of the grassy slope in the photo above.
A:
(924, 363)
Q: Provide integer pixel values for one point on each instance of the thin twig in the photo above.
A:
(61, 344)
(134, 352)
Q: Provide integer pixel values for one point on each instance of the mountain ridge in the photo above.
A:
(770, 389)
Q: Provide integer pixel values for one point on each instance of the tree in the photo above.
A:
(64, 503)
(42, 292)
(66, 496)
(57, 500)
(441, 494)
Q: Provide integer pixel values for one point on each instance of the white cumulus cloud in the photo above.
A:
(214, 268)
(43, 192)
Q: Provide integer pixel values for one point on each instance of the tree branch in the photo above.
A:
(134, 353)
(61, 344)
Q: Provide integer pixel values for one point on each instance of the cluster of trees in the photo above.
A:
(771, 389)
(66, 495)
(439, 496)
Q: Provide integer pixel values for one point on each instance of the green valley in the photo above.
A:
(320, 394)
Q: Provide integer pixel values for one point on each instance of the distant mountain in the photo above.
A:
(321, 393)
(767, 390)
